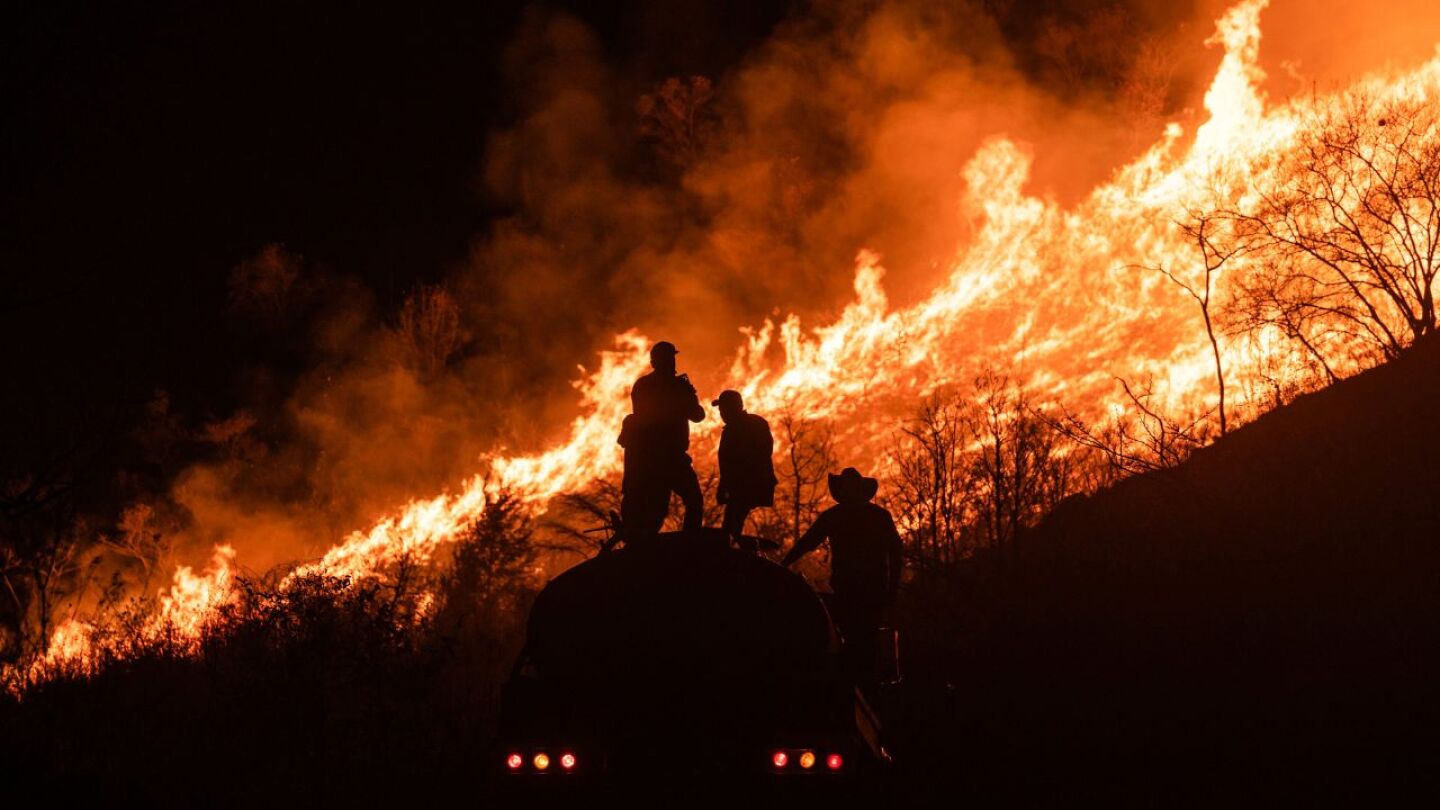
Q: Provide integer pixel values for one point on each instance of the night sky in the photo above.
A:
(148, 151)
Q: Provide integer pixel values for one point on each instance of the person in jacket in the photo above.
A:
(747, 473)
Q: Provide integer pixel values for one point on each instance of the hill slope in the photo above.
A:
(1263, 616)
(1318, 523)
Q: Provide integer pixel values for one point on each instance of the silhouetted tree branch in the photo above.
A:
(1347, 242)
(1140, 440)
(1215, 250)
(807, 456)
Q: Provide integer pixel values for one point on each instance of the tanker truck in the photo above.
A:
(684, 662)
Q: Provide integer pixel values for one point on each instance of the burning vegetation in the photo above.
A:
(1216, 276)
(1224, 270)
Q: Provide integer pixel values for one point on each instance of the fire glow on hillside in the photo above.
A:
(1067, 296)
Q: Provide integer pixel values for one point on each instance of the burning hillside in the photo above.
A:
(1319, 263)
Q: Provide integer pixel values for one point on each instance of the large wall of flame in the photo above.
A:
(854, 126)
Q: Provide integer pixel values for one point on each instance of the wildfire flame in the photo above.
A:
(1012, 293)
(183, 613)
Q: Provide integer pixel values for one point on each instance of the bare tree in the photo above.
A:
(429, 328)
(1270, 298)
(1201, 229)
(140, 541)
(973, 469)
(806, 457)
(1020, 469)
(40, 564)
(1139, 440)
(42, 541)
(1347, 241)
(933, 477)
(678, 118)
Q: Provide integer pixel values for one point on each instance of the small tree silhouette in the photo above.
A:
(492, 566)
(972, 469)
(806, 458)
(1020, 469)
(677, 118)
(1139, 440)
(933, 479)
(429, 328)
(1215, 248)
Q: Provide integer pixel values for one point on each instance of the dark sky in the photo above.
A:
(146, 152)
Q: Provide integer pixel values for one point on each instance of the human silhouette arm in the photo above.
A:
(694, 411)
(627, 431)
(808, 542)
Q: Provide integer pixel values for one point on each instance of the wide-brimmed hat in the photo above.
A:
(850, 486)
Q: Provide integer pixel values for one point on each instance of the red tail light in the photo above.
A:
(834, 762)
(514, 761)
(567, 761)
(780, 759)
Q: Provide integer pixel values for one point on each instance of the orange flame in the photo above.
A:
(1055, 291)
(182, 616)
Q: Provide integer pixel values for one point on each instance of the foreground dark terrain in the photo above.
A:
(1262, 618)
(1261, 621)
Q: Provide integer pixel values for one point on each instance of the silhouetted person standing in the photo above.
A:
(747, 474)
(866, 559)
(656, 438)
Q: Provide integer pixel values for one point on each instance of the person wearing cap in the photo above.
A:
(747, 473)
(656, 438)
(866, 559)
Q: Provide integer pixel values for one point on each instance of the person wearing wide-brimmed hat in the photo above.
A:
(866, 557)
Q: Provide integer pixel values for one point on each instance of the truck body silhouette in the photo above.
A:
(681, 660)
